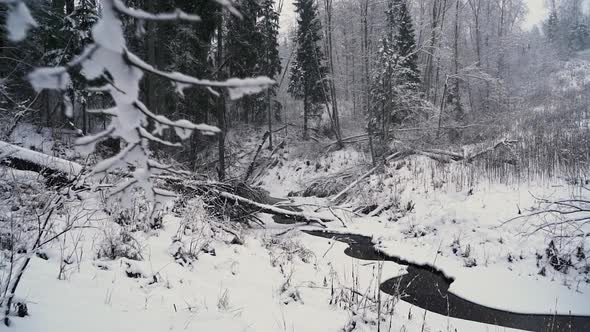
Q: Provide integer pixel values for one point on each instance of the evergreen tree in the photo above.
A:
(396, 79)
(552, 26)
(405, 45)
(579, 37)
(243, 46)
(269, 64)
(78, 26)
(309, 72)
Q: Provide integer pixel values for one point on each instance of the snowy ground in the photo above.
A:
(458, 225)
(241, 288)
(285, 283)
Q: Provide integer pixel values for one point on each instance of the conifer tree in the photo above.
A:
(79, 25)
(405, 45)
(309, 71)
(243, 42)
(269, 64)
(579, 37)
(396, 80)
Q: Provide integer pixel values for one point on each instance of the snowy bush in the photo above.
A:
(133, 216)
(195, 233)
(118, 243)
(285, 249)
(22, 196)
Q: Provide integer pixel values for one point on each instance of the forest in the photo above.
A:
(299, 165)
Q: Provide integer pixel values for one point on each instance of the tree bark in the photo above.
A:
(220, 102)
(335, 116)
(151, 58)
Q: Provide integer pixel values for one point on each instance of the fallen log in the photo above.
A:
(56, 170)
(217, 194)
(270, 209)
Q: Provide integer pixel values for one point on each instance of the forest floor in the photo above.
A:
(281, 279)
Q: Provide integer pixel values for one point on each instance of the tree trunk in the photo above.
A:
(305, 115)
(442, 106)
(151, 59)
(220, 102)
(84, 118)
(456, 56)
(430, 55)
(335, 116)
(269, 101)
(367, 78)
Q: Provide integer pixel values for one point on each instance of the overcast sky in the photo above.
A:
(537, 13)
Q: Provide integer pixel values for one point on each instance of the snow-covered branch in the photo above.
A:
(108, 59)
(143, 15)
(19, 20)
(237, 87)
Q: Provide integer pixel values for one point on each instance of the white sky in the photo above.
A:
(537, 13)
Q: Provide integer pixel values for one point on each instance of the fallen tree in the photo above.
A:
(239, 202)
(217, 194)
(270, 209)
(56, 170)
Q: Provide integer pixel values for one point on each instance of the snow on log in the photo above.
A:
(270, 209)
(56, 169)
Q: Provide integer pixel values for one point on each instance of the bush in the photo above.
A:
(194, 235)
(119, 243)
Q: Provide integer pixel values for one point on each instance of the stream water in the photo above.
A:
(428, 289)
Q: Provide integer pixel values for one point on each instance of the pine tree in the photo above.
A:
(269, 64)
(243, 42)
(308, 74)
(579, 37)
(79, 25)
(405, 45)
(396, 80)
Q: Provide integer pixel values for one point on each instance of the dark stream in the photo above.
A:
(427, 288)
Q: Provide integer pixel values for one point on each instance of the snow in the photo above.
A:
(454, 220)
(452, 211)
(49, 78)
(246, 288)
(143, 15)
(238, 289)
(476, 221)
(19, 20)
(68, 168)
(297, 169)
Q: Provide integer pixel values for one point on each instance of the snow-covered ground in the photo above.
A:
(240, 288)
(297, 282)
(458, 224)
